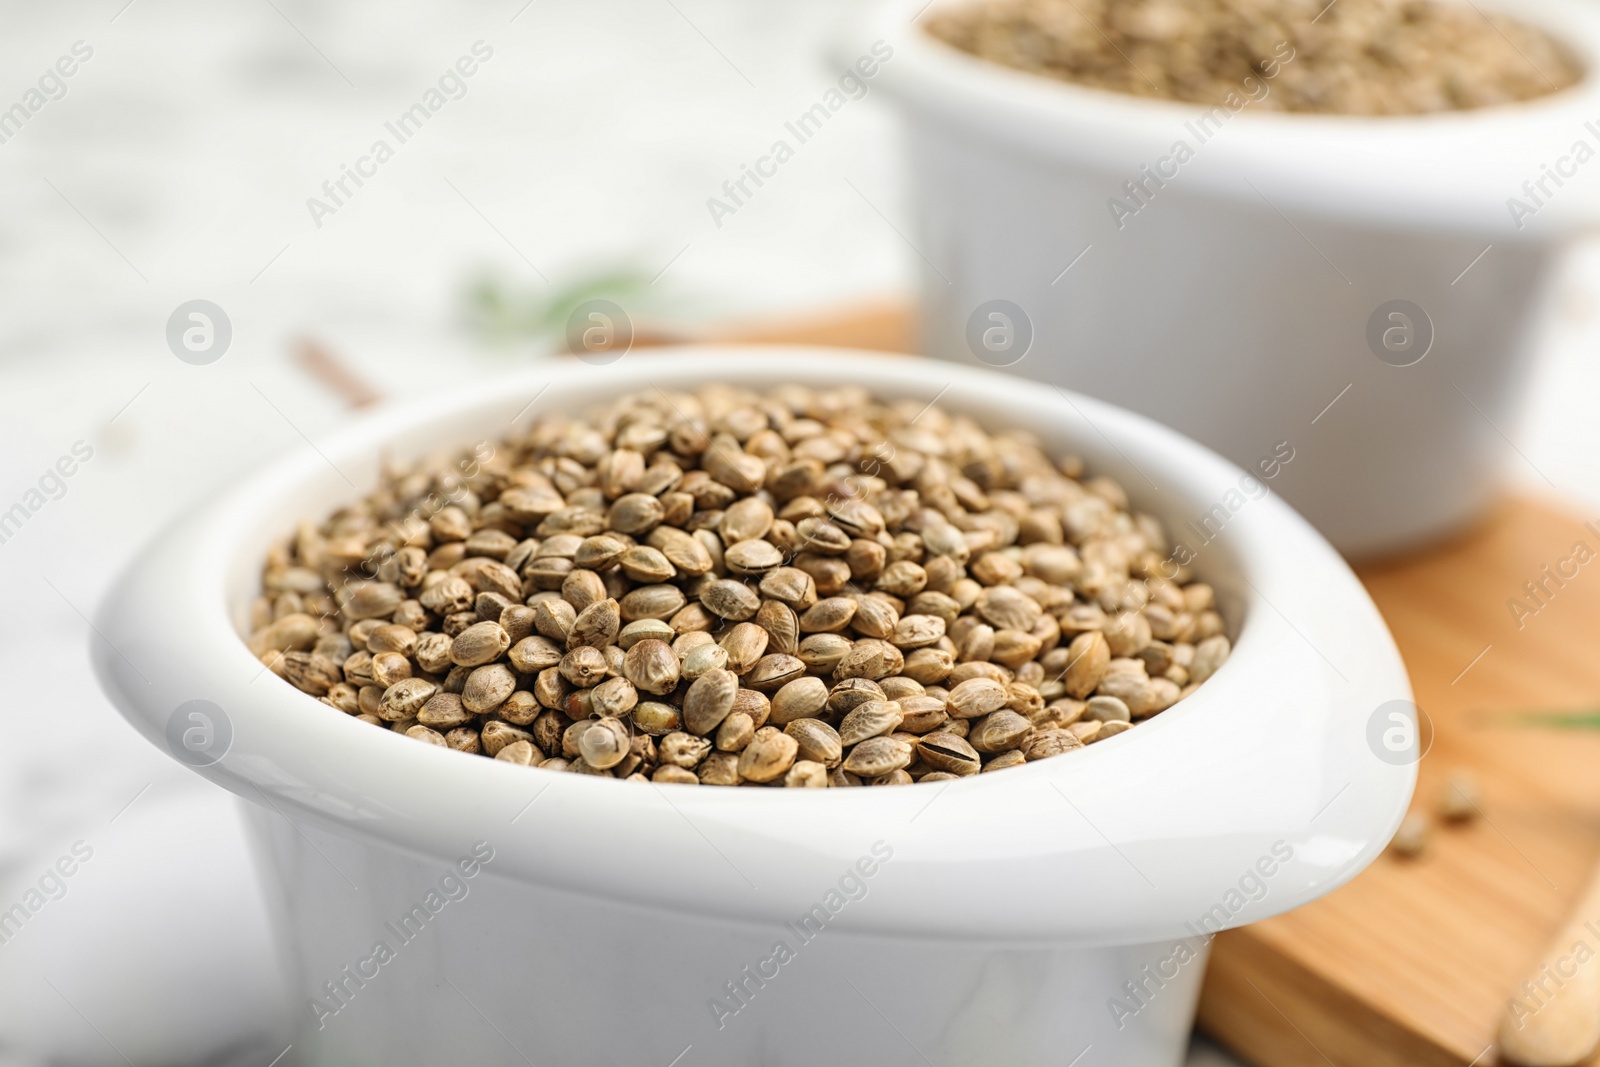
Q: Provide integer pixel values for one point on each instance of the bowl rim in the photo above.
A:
(1450, 170)
(170, 615)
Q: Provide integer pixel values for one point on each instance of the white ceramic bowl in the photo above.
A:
(1002, 915)
(1235, 304)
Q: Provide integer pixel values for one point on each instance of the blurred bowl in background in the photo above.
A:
(1356, 292)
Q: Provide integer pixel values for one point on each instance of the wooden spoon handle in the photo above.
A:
(1553, 1018)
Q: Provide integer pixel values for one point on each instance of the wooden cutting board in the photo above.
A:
(1411, 963)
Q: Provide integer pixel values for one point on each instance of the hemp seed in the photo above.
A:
(1461, 797)
(768, 755)
(808, 589)
(1356, 57)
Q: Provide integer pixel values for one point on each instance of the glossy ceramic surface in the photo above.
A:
(1258, 793)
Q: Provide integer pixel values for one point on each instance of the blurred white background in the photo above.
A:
(177, 166)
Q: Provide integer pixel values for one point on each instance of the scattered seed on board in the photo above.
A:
(1411, 840)
(807, 588)
(1461, 798)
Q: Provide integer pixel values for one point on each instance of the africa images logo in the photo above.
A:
(199, 733)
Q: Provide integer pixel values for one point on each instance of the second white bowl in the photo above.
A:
(1250, 298)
